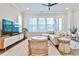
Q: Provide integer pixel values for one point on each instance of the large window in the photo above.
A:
(45, 24)
(41, 25)
(50, 24)
(58, 24)
(33, 25)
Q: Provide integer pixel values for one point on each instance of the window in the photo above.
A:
(33, 25)
(20, 23)
(50, 24)
(45, 24)
(41, 25)
(58, 24)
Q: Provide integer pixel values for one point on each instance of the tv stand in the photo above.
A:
(6, 41)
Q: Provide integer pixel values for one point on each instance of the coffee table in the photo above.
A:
(40, 38)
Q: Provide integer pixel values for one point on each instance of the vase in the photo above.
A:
(73, 35)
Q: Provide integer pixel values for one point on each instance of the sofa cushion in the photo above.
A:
(54, 39)
(44, 34)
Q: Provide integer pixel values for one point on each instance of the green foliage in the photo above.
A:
(73, 30)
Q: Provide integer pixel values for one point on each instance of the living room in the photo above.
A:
(50, 21)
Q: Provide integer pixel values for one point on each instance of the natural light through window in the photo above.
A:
(50, 24)
(33, 25)
(42, 24)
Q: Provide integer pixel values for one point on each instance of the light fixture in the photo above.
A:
(27, 8)
(66, 8)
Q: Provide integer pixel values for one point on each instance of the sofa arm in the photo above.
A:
(45, 35)
(53, 40)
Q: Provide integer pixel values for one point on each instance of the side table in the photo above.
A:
(64, 45)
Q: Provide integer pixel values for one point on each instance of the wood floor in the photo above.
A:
(9, 47)
(21, 49)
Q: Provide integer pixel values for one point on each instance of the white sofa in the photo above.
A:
(52, 38)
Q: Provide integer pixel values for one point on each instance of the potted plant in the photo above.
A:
(73, 31)
(24, 31)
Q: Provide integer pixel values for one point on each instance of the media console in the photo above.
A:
(6, 41)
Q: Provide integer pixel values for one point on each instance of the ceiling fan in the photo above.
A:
(49, 5)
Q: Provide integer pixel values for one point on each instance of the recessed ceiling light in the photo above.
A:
(67, 8)
(27, 8)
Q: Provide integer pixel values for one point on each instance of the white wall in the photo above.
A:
(8, 11)
(76, 18)
(70, 18)
(27, 15)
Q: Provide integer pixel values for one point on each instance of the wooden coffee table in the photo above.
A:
(39, 38)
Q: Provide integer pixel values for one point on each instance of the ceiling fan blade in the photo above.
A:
(44, 4)
(49, 5)
(53, 4)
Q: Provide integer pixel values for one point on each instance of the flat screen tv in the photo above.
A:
(15, 28)
(7, 26)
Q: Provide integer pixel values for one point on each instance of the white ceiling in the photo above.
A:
(37, 7)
